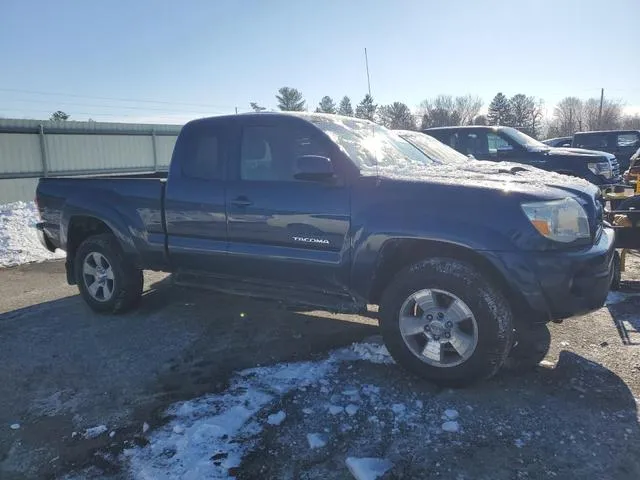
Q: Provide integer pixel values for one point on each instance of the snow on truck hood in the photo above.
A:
(383, 153)
(506, 176)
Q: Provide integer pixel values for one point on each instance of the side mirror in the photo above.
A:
(313, 168)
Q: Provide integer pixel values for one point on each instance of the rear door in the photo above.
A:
(282, 230)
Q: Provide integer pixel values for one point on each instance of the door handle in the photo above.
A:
(241, 201)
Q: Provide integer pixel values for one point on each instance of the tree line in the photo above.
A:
(524, 112)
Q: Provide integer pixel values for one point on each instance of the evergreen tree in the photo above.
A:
(366, 108)
(345, 107)
(326, 105)
(59, 116)
(480, 120)
(499, 111)
(290, 99)
(397, 116)
(256, 108)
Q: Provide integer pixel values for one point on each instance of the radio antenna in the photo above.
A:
(366, 61)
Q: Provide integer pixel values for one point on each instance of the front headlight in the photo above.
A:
(601, 168)
(559, 220)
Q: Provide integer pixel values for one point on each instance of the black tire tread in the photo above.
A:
(533, 343)
(490, 307)
(129, 278)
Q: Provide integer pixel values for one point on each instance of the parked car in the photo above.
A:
(511, 145)
(338, 213)
(622, 143)
(558, 142)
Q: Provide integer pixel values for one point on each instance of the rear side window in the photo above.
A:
(202, 155)
(592, 141)
(629, 140)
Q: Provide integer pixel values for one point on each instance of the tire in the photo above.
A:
(531, 345)
(489, 311)
(106, 265)
(617, 272)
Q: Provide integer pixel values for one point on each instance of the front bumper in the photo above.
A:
(557, 285)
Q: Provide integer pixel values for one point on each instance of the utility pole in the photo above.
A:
(600, 111)
(366, 60)
(236, 110)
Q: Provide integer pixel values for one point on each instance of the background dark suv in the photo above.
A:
(622, 143)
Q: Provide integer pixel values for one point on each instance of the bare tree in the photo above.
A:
(467, 108)
(610, 118)
(631, 122)
(567, 117)
(396, 116)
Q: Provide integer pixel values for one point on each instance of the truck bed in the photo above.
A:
(131, 206)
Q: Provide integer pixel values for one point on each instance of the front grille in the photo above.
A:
(615, 167)
(599, 216)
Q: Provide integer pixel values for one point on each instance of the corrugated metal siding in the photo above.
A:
(98, 152)
(17, 189)
(91, 127)
(164, 150)
(20, 152)
(75, 148)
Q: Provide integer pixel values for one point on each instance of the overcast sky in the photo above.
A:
(169, 61)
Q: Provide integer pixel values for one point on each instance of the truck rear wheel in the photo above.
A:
(444, 321)
(107, 282)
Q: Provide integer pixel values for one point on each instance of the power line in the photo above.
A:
(47, 113)
(126, 107)
(139, 100)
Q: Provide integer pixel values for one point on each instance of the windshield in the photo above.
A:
(523, 139)
(433, 148)
(373, 148)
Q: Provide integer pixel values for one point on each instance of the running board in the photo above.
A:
(288, 295)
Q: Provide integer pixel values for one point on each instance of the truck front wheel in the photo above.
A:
(107, 282)
(532, 344)
(444, 321)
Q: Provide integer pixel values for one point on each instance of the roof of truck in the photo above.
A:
(607, 131)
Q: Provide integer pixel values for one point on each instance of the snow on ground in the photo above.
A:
(223, 427)
(18, 237)
(368, 468)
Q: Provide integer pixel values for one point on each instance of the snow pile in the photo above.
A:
(368, 468)
(316, 440)
(95, 432)
(18, 237)
(210, 435)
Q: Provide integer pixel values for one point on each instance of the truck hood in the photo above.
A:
(580, 152)
(504, 176)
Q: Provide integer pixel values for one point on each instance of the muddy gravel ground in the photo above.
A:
(64, 370)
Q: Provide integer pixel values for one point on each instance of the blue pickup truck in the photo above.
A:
(467, 261)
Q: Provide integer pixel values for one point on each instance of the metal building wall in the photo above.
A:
(30, 149)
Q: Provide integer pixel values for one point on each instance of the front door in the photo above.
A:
(282, 230)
